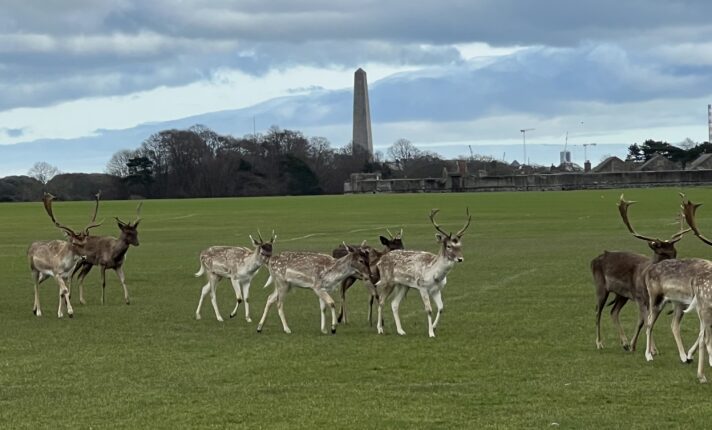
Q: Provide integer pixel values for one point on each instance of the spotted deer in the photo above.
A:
(701, 276)
(239, 264)
(374, 255)
(621, 273)
(400, 270)
(319, 272)
(108, 252)
(56, 258)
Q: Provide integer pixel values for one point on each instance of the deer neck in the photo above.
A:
(119, 247)
(440, 267)
(337, 272)
(254, 261)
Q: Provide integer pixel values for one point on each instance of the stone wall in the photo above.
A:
(550, 182)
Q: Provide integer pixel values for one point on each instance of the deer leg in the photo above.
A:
(103, 284)
(345, 285)
(270, 301)
(438, 299)
(36, 279)
(282, 293)
(701, 338)
(386, 291)
(618, 304)
(653, 314)
(203, 293)
(676, 319)
(428, 311)
(68, 304)
(246, 298)
(602, 296)
(213, 280)
(642, 315)
(238, 295)
(322, 310)
(122, 279)
(370, 310)
(328, 301)
(395, 306)
(85, 269)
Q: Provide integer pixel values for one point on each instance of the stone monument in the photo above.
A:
(362, 140)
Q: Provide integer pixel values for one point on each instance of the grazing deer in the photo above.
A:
(423, 271)
(621, 273)
(390, 243)
(239, 264)
(320, 272)
(108, 253)
(56, 258)
(702, 293)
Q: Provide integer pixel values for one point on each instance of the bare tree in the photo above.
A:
(118, 166)
(403, 152)
(43, 171)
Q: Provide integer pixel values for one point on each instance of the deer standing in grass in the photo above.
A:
(622, 273)
(56, 258)
(108, 252)
(702, 293)
(319, 272)
(390, 243)
(239, 264)
(423, 271)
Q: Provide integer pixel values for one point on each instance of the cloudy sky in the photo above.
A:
(443, 74)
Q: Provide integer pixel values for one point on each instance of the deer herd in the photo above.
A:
(650, 282)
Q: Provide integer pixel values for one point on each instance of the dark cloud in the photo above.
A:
(12, 132)
(57, 51)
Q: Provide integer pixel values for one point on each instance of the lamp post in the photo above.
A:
(524, 143)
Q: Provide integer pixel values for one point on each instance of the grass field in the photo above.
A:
(515, 348)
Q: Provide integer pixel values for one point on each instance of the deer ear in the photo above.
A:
(440, 237)
(136, 223)
(384, 240)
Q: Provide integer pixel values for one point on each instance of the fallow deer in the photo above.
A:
(702, 293)
(420, 270)
(621, 273)
(109, 253)
(239, 264)
(56, 258)
(319, 272)
(390, 243)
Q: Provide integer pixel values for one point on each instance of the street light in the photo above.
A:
(585, 146)
(524, 143)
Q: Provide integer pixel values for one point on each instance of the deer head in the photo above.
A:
(451, 244)
(129, 230)
(265, 248)
(392, 242)
(358, 260)
(688, 210)
(663, 249)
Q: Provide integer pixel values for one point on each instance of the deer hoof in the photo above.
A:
(626, 347)
(648, 356)
(259, 328)
(248, 319)
(702, 379)
(232, 315)
(333, 330)
(688, 360)
(197, 317)
(220, 319)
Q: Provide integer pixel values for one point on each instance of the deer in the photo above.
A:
(56, 258)
(426, 272)
(621, 273)
(108, 252)
(239, 264)
(390, 243)
(701, 285)
(319, 272)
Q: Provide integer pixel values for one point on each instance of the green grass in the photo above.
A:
(515, 348)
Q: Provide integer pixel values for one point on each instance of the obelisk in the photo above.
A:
(362, 140)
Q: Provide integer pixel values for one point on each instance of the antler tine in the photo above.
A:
(273, 237)
(689, 210)
(623, 205)
(390, 234)
(138, 212)
(97, 196)
(47, 200)
(434, 212)
(469, 219)
(92, 225)
(259, 235)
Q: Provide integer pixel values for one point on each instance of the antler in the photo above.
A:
(93, 223)
(469, 219)
(138, 212)
(689, 209)
(434, 212)
(390, 234)
(623, 205)
(47, 200)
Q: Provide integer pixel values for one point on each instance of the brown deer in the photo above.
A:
(701, 285)
(390, 243)
(56, 258)
(108, 253)
(319, 272)
(420, 270)
(239, 264)
(621, 273)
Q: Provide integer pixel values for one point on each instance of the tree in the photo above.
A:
(403, 152)
(43, 171)
(118, 165)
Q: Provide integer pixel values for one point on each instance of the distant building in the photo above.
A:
(564, 157)
(611, 164)
(659, 162)
(703, 162)
(362, 139)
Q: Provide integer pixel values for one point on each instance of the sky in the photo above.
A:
(446, 74)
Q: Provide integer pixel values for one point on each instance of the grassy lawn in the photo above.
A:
(515, 348)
